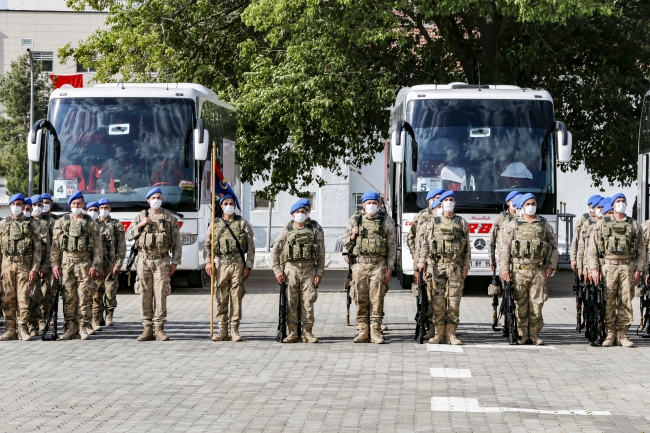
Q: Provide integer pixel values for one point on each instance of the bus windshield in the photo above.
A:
(119, 148)
(481, 149)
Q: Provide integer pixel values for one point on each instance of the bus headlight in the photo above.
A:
(187, 239)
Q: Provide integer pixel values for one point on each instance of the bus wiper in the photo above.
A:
(143, 206)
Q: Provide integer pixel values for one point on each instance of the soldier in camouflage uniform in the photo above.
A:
(20, 253)
(156, 234)
(76, 259)
(502, 219)
(43, 294)
(583, 236)
(446, 253)
(234, 257)
(34, 210)
(619, 241)
(373, 241)
(301, 248)
(113, 239)
(573, 249)
(412, 238)
(528, 247)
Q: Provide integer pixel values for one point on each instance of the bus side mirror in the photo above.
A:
(34, 141)
(564, 143)
(396, 148)
(201, 141)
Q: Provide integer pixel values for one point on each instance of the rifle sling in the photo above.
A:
(241, 253)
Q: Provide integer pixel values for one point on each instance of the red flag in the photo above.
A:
(75, 80)
(217, 171)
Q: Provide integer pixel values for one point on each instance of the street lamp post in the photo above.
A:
(31, 117)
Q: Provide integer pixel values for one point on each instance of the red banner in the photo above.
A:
(75, 80)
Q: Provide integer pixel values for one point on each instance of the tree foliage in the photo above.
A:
(311, 79)
(15, 123)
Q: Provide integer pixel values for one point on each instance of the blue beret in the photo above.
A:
(369, 195)
(226, 196)
(603, 202)
(512, 195)
(445, 195)
(607, 207)
(152, 191)
(92, 204)
(305, 202)
(16, 197)
(523, 199)
(617, 196)
(36, 198)
(46, 196)
(104, 201)
(297, 205)
(594, 200)
(28, 200)
(435, 203)
(434, 192)
(74, 196)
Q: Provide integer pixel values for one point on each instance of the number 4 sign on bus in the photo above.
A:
(64, 187)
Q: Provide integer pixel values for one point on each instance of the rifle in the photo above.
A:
(495, 290)
(644, 326)
(509, 310)
(422, 314)
(129, 263)
(282, 324)
(53, 317)
(578, 289)
(347, 286)
(595, 326)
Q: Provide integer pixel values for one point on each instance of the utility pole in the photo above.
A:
(31, 117)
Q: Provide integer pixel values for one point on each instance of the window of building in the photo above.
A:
(261, 203)
(81, 68)
(45, 58)
(358, 205)
(312, 200)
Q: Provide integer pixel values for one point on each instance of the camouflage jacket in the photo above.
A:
(508, 235)
(33, 259)
(573, 249)
(247, 230)
(593, 247)
(585, 231)
(175, 246)
(119, 240)
(277, 260)
(95, 256)
(427, 234)
(389, 230)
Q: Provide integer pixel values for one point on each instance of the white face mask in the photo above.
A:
(16, 210)
(104, 213)
(300, 218)
(512, 206)
(620, 207)
(76, 210)
(371, 209)
(37, 211)
(599, 213)
(93, 215)
(46, 207)
(448, 206)
(155, 204)
(27, 214)
(530, 210)
(228, 210)
(438, 211)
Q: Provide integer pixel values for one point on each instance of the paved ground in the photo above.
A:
(116, 384)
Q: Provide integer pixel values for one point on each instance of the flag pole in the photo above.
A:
(214, 191)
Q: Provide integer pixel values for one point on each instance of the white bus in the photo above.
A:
(643, 183)
(482, 142)
(120, 140)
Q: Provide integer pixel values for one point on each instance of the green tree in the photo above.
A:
(312, 80)
(14, 124)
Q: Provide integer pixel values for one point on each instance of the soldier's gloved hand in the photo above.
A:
(637, 275)
(316, 282)
(56, 271)
(32, 277)
(505, 275)
(245, 274)
(280, 277)
(93, 274)
(389, 273)
(549, 272)
(172, 269)
(573, 265)
(208, 269)
(595, 275)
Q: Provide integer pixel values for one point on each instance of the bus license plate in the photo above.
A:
(480, 264)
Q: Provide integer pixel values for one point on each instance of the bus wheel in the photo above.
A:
(194, 278)
(405, 280)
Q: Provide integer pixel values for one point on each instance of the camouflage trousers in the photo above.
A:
(445, 285)
(530, 294)
(16, 292)
(301, 293)
(153, 285)
(368, 290)
(105, 296)
(77, 290)
(228, 290)
(40, 302)
(618, 295)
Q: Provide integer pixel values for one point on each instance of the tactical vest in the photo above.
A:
(448, 240)
(618, 238)
(17, 237)
(224, 243)
(372, 240)
(530, 241)
(76, 235)
(300, 244)
(157, 235)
